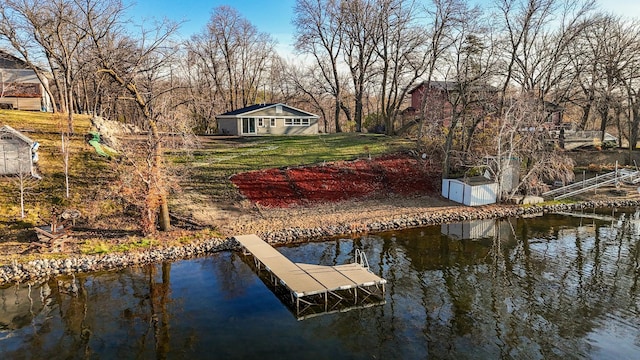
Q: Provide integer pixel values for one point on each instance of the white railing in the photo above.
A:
(361, 258)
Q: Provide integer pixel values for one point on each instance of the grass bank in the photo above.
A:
(203, 170)
(88, 173)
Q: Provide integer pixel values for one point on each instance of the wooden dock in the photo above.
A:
(311, 285)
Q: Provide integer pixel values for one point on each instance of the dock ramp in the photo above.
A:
(612, 178)
(316, 288)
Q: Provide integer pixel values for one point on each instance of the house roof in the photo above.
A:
(247, 109)
(16, 133)
(8, 61)
(451, 86)
(259, 107)
(443, 85)
(19, 67)
(24, 76)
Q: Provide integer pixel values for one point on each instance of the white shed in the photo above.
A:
(473, 191)
(17, 152)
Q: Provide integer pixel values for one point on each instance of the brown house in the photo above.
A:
(436, 98)
(20, 88)
(432, 90)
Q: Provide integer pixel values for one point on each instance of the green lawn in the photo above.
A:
(210, 166)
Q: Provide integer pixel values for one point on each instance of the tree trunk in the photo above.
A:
(633, 137)
(604, 119)
(358, 114)
(164, 221)
(156, 199)
(586, 111)
(337, 115)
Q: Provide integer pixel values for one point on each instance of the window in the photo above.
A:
(296, 122)
(278, 109)
(260, 122)
(272, 123)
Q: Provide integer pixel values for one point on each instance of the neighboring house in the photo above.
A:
(430, 90)
(20, 88)
(267, 119)
(17, 153)
(436, 98)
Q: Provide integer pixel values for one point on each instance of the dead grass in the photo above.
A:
(89, 176)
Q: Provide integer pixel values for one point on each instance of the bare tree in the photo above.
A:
(228, 64)
(520, 134)
(16, 32)
(138, 66)
(630, 78)
(441, 19)
(535, 47)
(233, 56)
(319, 33)
(400, 50)
(59, 30)
(26, 183)
(310, 83)
(361, 24)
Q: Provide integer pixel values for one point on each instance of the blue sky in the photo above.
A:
(270, 16)
(274, 16)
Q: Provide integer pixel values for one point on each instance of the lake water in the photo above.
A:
(549, 287)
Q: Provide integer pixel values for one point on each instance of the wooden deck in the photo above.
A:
(305, 282)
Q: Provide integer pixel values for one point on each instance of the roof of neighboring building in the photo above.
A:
(8, 61)
(443, 85)
(449, 86)
(25, 76)
(258, 107)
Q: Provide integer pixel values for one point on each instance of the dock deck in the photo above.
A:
(306, 283)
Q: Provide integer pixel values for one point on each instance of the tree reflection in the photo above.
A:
(160, 297)
(547, 287)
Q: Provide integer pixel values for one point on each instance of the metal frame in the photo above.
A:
(330, 288)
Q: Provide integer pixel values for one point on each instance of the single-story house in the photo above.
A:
(18, 153)
(20, 87)
(267, 119)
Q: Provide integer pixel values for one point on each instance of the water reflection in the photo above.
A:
(557, 286)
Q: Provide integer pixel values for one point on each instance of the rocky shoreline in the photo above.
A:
(40, 270)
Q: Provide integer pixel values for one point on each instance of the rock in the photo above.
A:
(38, 270)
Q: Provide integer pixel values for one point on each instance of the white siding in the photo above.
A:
(470, 195)
(15, 155)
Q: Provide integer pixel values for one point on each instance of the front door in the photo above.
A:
(248, 126)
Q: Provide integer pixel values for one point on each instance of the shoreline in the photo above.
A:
(41, 270)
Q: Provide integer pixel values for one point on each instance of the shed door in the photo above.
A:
(248, 125)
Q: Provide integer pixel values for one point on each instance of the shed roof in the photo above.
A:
(16, 133)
